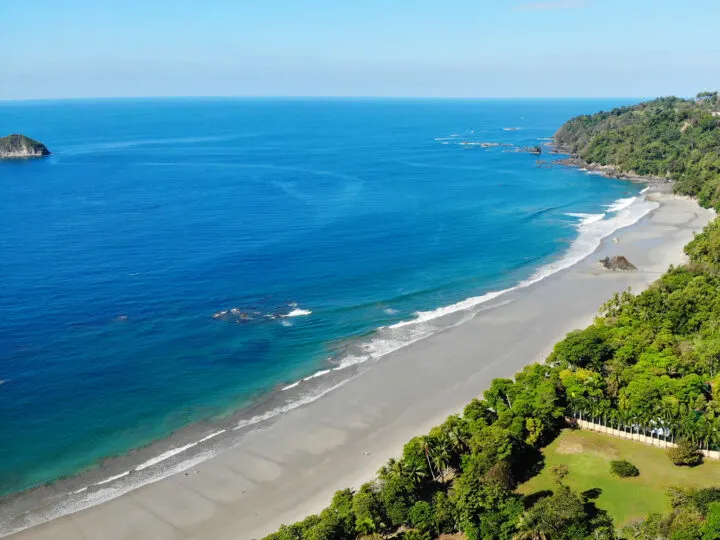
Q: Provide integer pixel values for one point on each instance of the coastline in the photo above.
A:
(290, 467)
(610, 171)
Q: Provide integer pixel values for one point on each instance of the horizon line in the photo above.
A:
(319, 96)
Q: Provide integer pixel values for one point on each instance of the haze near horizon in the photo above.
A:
(515, 48)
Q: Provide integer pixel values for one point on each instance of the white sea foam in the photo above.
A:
(423, 316)
(317, 374)
(297, 312)
(398, 336)
(592, 229)
(313, 376)
(164, 456)
(303, 400)
(391, 311)
(112, 478)
(212, 435)
(587, 219)
(621, 204)
(70, 505)
(175, 451)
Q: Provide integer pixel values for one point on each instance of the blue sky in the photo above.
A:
(463, 48)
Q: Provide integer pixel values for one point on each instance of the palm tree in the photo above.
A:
(394, 467)
(706, 432)
(624, 418)
(416, 473)
(457, 437)
(614, 419)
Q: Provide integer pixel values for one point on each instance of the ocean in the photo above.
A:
(181, 270)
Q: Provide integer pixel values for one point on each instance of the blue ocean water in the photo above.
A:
(125, 253)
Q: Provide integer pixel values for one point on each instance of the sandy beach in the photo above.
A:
(290, 467)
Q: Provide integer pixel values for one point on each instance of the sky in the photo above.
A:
(388, 48)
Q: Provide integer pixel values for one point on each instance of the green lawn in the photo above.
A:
(588, 457)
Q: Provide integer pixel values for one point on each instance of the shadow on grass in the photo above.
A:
(591, 494)
(530, 500)
(529, 463)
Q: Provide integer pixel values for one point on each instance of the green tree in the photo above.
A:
(685, 454)
(559, 516)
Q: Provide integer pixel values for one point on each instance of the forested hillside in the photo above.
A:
(668, 137)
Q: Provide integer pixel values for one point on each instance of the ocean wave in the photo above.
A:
(592, 229)
(83, 498)
(620, 204)
(303, 400)
(164, 456)
(424, 316)
(297, 312)
(587, 219)
(308, 378)
(112, 478)
(175, 451)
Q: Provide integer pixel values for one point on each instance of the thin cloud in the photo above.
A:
(549, 6)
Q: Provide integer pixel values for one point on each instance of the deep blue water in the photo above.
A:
(153, 215)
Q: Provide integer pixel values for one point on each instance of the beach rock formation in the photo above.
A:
(618, 263)
(20, 146)
(535, 150)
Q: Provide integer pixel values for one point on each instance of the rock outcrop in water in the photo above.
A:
(618, 263)
(20, 146)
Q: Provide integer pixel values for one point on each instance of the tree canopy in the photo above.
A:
(669, 137)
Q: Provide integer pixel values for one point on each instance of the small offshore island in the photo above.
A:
(20, 146)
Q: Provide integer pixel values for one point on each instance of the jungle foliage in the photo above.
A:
(675, 138)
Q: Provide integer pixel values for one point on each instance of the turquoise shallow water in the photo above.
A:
(317, 221)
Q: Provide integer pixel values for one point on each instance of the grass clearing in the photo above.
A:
(588, 455)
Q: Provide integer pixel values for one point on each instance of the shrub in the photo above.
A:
(559, 472)
(685, 454)
(623, 469)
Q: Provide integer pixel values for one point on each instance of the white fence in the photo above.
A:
(633, 436)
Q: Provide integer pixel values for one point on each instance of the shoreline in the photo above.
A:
(610, 171)
(205, 438)
(307, 453)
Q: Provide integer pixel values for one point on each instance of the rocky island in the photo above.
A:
(20, 146)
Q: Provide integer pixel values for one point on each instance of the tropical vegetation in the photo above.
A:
(588, 455)
(674, 138)
(623, 468)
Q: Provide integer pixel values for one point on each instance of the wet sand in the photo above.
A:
(290, 467)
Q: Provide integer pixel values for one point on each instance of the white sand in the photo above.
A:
(282, 472)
